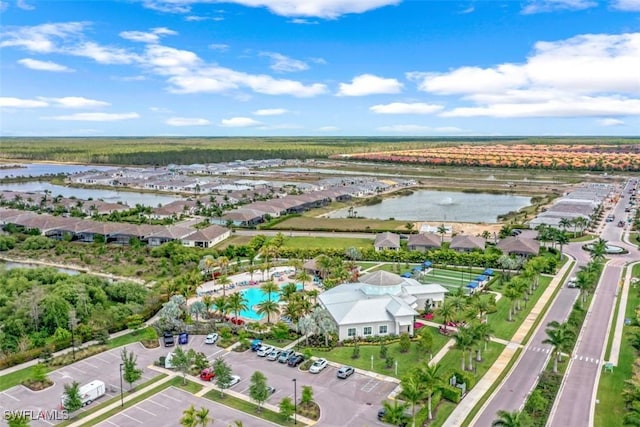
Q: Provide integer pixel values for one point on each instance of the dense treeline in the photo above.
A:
(163, 151)
(39, 308)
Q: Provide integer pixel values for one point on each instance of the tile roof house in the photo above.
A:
(423, 241)
(206, 237)
(519, 246)
(387, 240)
(464, 243)
(379, 304)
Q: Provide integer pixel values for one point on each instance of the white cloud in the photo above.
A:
(129, 78)
(406, 108)
(270, 112)
(285, 64)
(104, 54)
(302, 21)
(21, 103)
(368, 84)
(586, 75)
(147, 37)
(35, 64)
(160, 110)
(187, 121)
(468, 10)
(75, 102)
(327, 9)
(41, 38)
(95, 117)
(627, 5)
(239, 122)
(418, 129)
(22, 4)
(610, 122)
(540, 6)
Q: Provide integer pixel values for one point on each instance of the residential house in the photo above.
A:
(423, 242)
(388, 241)
(519, 246)
(206, 237)
(464, 243)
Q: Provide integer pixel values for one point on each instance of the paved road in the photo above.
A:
(516, 387)
(575, 402)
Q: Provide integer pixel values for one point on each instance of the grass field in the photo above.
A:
(235, 240)
(249, 408)
(453, 359)
(611, 409)
(17, 377)
(326, 242)
(406, 361)
(340, 224)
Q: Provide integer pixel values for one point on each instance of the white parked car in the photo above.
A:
(234, 380)
(265, 350)
(275, 353)
(211, 338)
(318, 366)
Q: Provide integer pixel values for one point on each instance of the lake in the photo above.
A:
(41, 169)
(114, 196)
(425, 205)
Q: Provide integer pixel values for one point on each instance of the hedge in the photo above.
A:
(454, 394)
(465, 377)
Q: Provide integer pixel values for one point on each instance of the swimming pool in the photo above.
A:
(255, 296)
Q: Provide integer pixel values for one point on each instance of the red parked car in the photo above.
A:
(207, 374)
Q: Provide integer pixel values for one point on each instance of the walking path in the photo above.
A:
(617, 335)
(464, 408)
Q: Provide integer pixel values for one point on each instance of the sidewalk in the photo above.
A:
(464, 408)
(619, 325)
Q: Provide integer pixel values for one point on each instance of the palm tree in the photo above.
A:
(482, 334)
(189, 417)
(207, 300)
(303, 277)
(447, 311)
(223, 263)
(269, 288)
(464, 341)
(207, 264)
(268, 307)
(313, 293)
(559, 336)
(598, 250)
(413, 392)
(512, 419)
(430, 378)
(202, 417)
(394, 412)
(565, 223)
(224, 281)
(221, 304)
(237, 303)
(287, 291)
(483, 306)
(511, 293)
(442, 230)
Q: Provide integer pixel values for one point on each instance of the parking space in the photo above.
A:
(104, 367)
(166, 408)
(353, 401)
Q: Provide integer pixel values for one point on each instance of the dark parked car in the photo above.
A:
(295, 360)
(285, 355)
(168, 339)
(345, 372)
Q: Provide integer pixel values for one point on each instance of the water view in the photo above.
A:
(40, 169)
(427, 205)
(127, 197)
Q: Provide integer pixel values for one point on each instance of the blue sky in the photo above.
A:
(319, 68)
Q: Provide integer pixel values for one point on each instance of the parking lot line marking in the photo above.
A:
(144, 410)
(77, 369)
(172, 398)
(101, 359)
(93, 366)
(10, 397)
(115, 356)
(134, 419)
(155, 403)
(111, 422)
(48, 422)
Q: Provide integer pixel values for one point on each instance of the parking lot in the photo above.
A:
(104, 367)
(165, 410)
(350, 402)
(353, 401)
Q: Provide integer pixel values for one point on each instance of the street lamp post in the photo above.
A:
(295, 400)
(121, 391)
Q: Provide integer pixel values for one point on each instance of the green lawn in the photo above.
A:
(392, 267)
(14, 378)
(340, 224)
(453, 359)
(147, 333)
(249, 408)
(406, 361)
(611, 409)
(326, 242)
(504, 329)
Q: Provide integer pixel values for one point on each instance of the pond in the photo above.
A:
(41, 169)
(114, 196)
(425, 205)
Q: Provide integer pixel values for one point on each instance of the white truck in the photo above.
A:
(89, 392)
